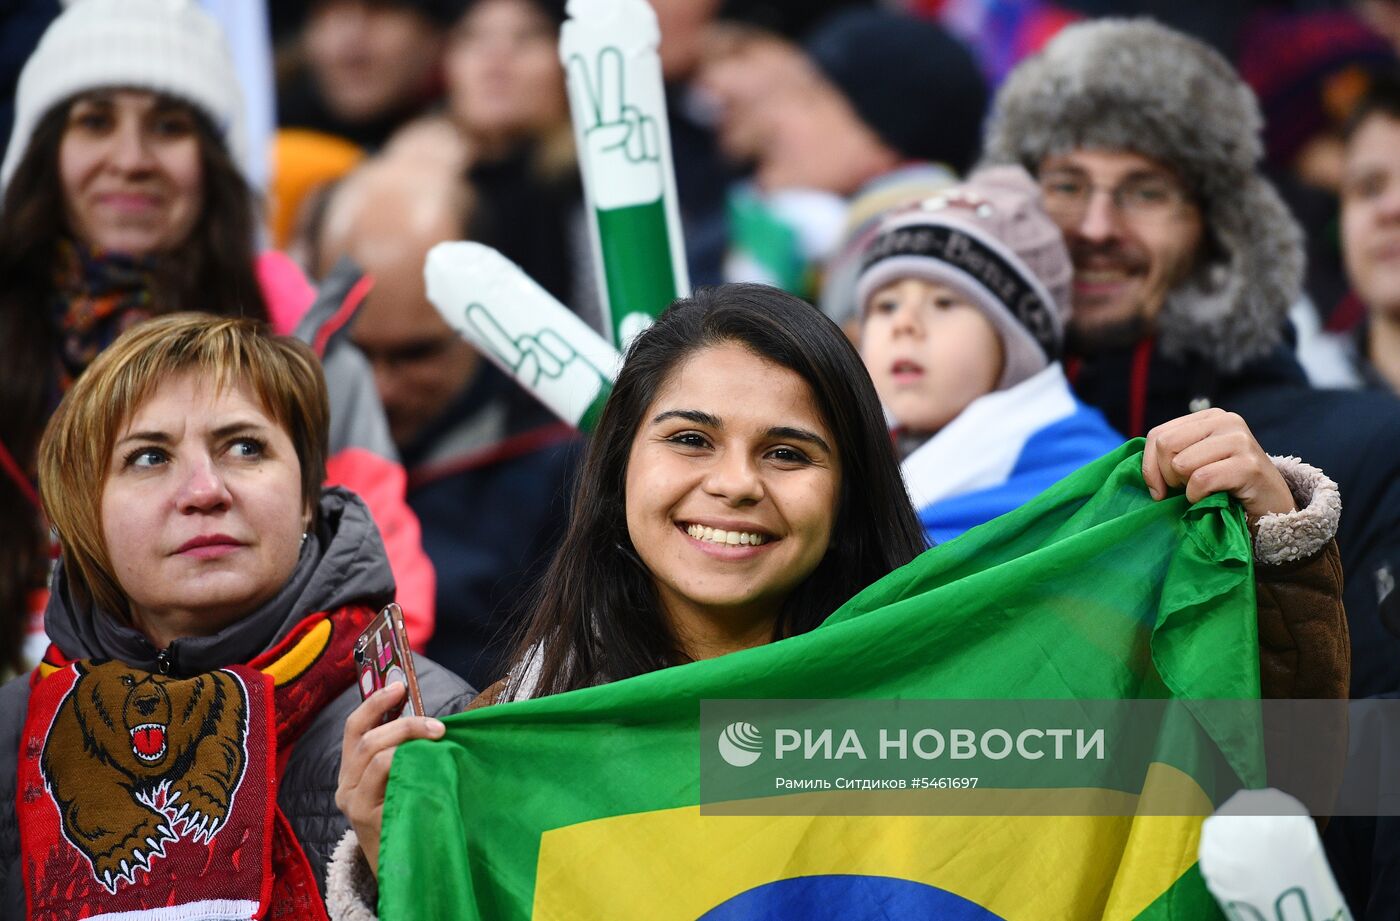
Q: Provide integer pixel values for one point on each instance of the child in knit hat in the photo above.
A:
(964, 298)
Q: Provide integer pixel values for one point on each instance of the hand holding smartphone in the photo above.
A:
(383, 656)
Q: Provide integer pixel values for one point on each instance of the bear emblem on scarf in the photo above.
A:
(135, 761)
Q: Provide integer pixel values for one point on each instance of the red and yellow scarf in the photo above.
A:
(148, 794)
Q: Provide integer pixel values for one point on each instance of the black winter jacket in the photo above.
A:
(1352, 435)
(342, 563)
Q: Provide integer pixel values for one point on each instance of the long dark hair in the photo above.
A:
(597, 616)
(212, 271)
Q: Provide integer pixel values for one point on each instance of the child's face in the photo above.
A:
(929, 351)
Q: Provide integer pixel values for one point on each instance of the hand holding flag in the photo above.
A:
(594, 804)
(1213, 451)
(367, 749)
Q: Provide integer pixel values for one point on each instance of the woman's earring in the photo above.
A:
(304, 535)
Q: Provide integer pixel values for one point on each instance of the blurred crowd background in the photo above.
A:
(374, 129)
(371, 130)
(465, 99)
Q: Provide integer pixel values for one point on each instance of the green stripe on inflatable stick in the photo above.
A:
(618, 104)
(522, 329)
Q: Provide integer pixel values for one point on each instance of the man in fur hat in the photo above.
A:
(1146, 145)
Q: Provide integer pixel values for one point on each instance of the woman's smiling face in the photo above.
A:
(133, 181)
(731, 491)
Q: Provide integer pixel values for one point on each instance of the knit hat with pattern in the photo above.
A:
(167, 46)
(991, 240)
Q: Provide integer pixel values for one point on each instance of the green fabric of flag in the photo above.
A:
(584, 805)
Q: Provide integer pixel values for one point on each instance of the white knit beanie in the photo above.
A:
(167, 46)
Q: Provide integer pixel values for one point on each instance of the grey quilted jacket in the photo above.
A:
(342, 563)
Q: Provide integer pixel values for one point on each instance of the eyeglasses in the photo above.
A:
(1141, 199)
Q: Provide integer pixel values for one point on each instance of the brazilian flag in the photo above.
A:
(587, 805)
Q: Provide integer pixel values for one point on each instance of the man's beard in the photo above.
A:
(1109, 336)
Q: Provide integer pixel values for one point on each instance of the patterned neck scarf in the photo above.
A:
(97, 297)
(146, 796)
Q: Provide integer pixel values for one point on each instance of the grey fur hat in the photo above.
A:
(1137, 85)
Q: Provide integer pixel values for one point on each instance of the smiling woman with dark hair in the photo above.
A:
(741, 485)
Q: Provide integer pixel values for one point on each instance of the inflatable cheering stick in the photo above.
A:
(515, 323)
(608, 48)
(1263, 861)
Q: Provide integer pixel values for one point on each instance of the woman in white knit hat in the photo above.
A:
(123, 200)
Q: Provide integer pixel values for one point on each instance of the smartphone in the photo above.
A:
(383, 656)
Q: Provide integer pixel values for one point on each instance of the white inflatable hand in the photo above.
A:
(543, 361)
(622, 144)
(1262, 859)
(515, 323)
